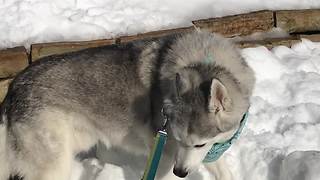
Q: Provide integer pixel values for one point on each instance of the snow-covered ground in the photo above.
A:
(285, 110)
(23, 22)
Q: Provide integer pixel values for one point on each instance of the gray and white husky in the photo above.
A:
(64, 104)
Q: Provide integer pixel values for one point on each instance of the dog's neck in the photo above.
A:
(156, 98)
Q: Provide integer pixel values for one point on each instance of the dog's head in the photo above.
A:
(201, 112)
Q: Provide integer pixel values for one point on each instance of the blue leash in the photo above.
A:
(154, 158)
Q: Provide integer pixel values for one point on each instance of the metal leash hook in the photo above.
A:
(155, 155)
(165, 120)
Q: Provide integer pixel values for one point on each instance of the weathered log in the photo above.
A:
(12, 61)
(47, 49)
(271, 42)
(238, 25)
(155, 34)
(312, 37)
(297, 21)
(4, 84)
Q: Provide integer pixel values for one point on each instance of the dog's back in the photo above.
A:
(64, 104)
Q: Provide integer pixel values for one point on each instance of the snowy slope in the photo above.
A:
(284, 117)
(23, 22)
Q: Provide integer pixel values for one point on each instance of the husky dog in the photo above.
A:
(64, 104)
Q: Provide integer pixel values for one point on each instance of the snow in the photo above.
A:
(301, 165)
(24, 22)
(282, 135)
(285, 110)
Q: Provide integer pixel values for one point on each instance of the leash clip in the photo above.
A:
(165, 120)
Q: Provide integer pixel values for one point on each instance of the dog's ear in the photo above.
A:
(219, 99)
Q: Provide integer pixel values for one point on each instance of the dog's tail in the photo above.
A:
(4, 161)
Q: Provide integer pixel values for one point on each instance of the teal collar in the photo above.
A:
(218, 149)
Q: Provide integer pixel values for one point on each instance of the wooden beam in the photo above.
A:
(46, 49)
(270, 42)
(312, 37)
(12, 61)
(238, 25)
(298, 21)
(155, 34)
(4, 84)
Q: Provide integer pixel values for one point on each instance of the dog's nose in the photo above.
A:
(180, 172)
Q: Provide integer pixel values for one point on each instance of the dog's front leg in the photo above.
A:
(165, 170)
(169, 176)
(219, 169)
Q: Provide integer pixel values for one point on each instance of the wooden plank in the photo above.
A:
(155, 34)
(12, 61)
(4, 84)
(271, 42)
(312, 37)
(295, 21)
(47, 49)
(238, 25)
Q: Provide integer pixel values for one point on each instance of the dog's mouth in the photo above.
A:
(182, 173)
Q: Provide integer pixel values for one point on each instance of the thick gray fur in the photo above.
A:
(62, 105)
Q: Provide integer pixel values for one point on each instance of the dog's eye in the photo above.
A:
(199, 145)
